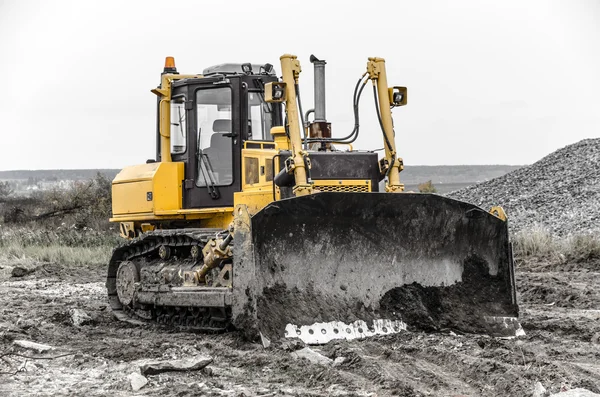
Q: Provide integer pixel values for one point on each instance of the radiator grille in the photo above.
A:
(335, 186)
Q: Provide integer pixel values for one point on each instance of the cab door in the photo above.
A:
(212, 171)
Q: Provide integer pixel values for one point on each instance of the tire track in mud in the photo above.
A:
(397, 370)
(443, 364)
(570, 289)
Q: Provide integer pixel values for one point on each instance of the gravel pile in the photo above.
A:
(560, 193)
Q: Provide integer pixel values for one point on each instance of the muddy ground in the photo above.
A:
(560, 307)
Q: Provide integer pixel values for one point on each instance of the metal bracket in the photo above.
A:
(373, 68)
(498, 212)
(384, 166)
(289, 165)
(225, 276)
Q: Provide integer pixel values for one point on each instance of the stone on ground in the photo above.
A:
(183, 364)
(137, 381)
(79, 317)
(539, 390)
(37, 347)
(312, 356)
(339, 360)
(22, 271)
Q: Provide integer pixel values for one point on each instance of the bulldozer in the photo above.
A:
(254, 216)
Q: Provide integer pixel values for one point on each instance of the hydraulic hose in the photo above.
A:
(286, 126)
(354, 134)
(304, 138)
(305, 141)
(308, 112)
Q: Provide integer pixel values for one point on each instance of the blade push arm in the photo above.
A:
(391, 165)
(299, 161)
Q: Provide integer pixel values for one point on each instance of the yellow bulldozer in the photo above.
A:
(254, 216)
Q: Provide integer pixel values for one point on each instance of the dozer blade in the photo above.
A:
(351, 265)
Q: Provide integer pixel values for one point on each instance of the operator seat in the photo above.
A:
(220, 151)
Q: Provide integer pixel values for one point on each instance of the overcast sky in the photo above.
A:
(490, 82)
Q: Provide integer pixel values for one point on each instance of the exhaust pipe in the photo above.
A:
(319, 128)
(319, 88)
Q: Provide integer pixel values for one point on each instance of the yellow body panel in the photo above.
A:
(219, 220)
(130, 198)
(258, 171)
(260, 176)
(253, 200)
(147, 189)
(162, 182)
(280, 138)
(190, 214)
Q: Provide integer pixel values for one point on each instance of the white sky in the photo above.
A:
(490, 82)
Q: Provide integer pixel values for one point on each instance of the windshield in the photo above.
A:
(214, 151)
(259, 118)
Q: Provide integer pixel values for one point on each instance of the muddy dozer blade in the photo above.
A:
(350, 265)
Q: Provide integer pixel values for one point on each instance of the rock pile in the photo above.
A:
(560, 193)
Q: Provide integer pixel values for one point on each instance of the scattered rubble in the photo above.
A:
(137, 381)
(264, 341)
(312, 356)
(37, 347)
(290, 344)
(539, 390)
(22, 271)
(339, 360)
(184, 364)
(560, 192)
(79, 317)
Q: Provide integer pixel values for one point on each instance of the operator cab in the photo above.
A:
(211, 118)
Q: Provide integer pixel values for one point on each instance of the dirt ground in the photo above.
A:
(560, 312)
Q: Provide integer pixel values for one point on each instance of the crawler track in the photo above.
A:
(144, 252)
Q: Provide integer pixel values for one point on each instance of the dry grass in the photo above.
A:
(18, 254)
(539, 242)
(427, 187)
(535, 242)
(59, 226)
(62, 245)
(583, 247)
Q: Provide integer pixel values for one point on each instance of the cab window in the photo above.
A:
(215, 143)
(260, 118)
(178, 126)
